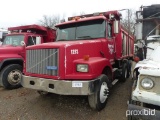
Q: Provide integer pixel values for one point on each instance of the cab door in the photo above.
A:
(33, 40)
(111, 41)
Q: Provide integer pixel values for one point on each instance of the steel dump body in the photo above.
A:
(151, 15)
(48, 33)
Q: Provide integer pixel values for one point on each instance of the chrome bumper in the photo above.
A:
(63, 87)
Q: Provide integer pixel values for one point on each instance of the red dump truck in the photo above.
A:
(90, 52)
(12, 51)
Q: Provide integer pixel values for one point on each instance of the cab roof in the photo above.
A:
(82, 19)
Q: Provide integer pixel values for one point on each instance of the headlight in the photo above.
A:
(147, 83)
(82, 68)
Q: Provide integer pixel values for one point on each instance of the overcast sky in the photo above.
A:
(22, 12)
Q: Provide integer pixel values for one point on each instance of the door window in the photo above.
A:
(31, 40)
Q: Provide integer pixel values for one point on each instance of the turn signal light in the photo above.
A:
(86, 57)
(76, 18)
(136, 59)
(101, 14)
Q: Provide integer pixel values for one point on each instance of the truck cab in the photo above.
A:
(12, 51)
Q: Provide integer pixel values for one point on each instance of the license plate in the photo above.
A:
(77, 84)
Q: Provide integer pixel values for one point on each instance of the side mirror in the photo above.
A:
(38, 40)
(138, 31)
(140, 43)
(23, 43)
(116, 26)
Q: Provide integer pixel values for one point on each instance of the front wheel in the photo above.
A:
(11, 76)
(99, 99)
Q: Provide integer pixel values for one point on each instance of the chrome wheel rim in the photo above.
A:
(104, 92)
(14, 77)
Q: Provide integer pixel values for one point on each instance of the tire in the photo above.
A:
(129, 67)
(11, 76)
(124, 73)
(98, 100)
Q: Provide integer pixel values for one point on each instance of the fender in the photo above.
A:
(125, 60)
(96, 64)
(9, 59)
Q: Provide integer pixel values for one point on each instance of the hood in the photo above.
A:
(73, 52)
(65, 44)
(150, 66)
(8, 51)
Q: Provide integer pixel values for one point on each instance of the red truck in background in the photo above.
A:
(90, 52)
(12, 51)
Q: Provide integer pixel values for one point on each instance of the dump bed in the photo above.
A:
(49, 34)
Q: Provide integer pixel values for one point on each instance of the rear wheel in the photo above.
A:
(11, 76)
(124, 73)
(129, 67)
(99, 99)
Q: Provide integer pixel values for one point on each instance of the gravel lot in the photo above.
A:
(26, 104)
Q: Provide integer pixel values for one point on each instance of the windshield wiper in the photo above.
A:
(82, 37)
(150, 48)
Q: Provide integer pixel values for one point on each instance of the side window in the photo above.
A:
(31, 40)
(109, 27)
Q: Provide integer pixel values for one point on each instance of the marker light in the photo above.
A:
(86, 57)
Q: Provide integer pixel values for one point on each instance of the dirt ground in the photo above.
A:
(26, 104)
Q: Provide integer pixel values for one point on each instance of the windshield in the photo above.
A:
(155, 56)
(13, 40)
(82, 30)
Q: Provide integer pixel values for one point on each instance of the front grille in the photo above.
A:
(42, 61)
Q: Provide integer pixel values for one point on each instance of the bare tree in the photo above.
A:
(50, 21)
(132, 20)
